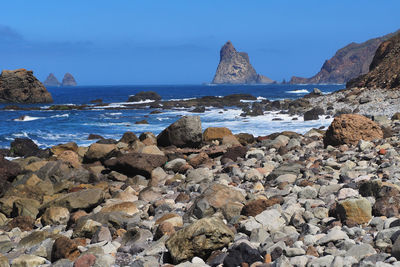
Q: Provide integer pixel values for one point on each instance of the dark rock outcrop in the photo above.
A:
(235, 68)
(186, 132)
(384, 71)
(20, 86)
(51, 80)
(68, 80)
(145, 95)
(348, 63)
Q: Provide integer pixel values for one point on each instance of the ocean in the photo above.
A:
(47, 128)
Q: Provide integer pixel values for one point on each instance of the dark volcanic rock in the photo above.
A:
(234, 67)
(68, 80)
(348, 63)
(20, 86)
(136, 163)
(8, 171)
(51, 80)
(240, 254)
(146, 95)
(23, 147)
(384, 69)
(313, 114)
(186, 132)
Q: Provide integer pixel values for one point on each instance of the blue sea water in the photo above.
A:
(49, 128)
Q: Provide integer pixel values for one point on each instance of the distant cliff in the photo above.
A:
(384, 71)
(51, 80)
(68, 80)
(235, 68)
(20, 86)
(349, 62)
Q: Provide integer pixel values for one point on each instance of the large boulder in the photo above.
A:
(144, 95)
(8, 171)
(199, 239)
(313, 114)
(350, 129)
(136, 163)
(20, 86)
(186, 132)
(23, 147)
(85, 200)
(216, 133)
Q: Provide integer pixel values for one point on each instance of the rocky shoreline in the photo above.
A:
(194, 198)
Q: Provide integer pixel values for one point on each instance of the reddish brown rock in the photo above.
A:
(25, 223)
(64, 248)
(165, 228)
(198, 160)
(350, 129)
(384, 69)
(255, 207)
(20, 86)
(86, 260)
(216, 133)
(8, 171)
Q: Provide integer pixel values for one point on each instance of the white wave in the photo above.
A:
(60, 116)
(261, 98)
(27, 118)
(102, 124)
(181, 99)
(114, 114)
(11, 158)
(299, 91)
(23, 134)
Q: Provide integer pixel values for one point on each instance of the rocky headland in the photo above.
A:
(348, 63)
(52, 81)
(21, 86)
(235, 68)
(194, 197)
(68, 80)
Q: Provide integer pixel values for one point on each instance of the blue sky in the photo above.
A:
(166, 42)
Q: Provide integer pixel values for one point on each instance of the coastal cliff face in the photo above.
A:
(68, 80)
(51, 80)
(235, 68)
(348, 63)
(20, 86)
(384, 71)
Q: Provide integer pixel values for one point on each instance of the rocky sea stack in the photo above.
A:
(69, 80)
(51, 81)
(235, 68)
(20, 86)
(384, 71)
(348, 63)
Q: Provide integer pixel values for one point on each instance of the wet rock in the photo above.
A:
(199, 239)
(23, 147)
(186, 132)
(313, 114)
(144, 95)
(350, 129)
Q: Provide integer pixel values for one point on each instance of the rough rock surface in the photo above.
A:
(384, 69)
(234, 67)
(20, 86)
(51, 80)
(144, 95)
(68, 80)
(199, 239)
(350, 129)
(186, 132)
(348, 63)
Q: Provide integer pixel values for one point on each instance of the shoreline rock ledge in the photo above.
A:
(20, 86)
(235, 68)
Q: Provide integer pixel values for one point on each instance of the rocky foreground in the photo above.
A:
(193, 198)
